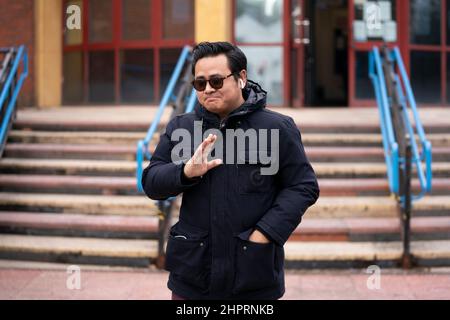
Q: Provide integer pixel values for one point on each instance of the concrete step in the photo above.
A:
(363, 254)
(362, 154)
(143, 252)
(79, 225)
(128, 168)
(68, 184)
(345, 154)
(60, 122)
(370, 229)
(86, 204)
(128, 252)
(363, 139)
(69, 166)
(367, 170)
(128, 152)
(127, 185)
(83, 125)
(76, 137)
(346, 207)
(131, 138)
(70, 151)
(311, 229)
(326, 207)
(380, 186)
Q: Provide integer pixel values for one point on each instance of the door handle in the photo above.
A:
(306, 32)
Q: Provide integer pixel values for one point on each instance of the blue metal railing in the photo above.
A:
(10, 90)
(390, 145)
(425, 179)
(143, 145)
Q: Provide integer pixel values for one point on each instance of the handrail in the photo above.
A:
(390, 146)
(21, 56)
(424, 178)
(142, 145)
(191, 102)
(383, 75)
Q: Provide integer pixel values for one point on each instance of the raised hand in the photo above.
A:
(198, 165)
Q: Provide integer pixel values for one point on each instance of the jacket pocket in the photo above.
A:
(187, 255)
(255, 265)
(250, 179)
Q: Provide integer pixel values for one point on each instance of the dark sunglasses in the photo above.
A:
(215, 82)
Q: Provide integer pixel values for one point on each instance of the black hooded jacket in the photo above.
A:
(208, 252)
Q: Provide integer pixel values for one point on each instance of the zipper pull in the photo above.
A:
(222, 124)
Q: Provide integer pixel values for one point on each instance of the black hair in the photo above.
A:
(237, 60)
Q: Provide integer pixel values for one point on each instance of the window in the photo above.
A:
(136, 71)
(178, 19)
(426, 76)
(130, 51)
(259, 33)
(136, 19)
(100, 21)
(101, 76)
(425, 22)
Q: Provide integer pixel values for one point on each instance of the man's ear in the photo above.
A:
(242, 79)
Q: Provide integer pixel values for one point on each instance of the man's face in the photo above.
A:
(220, 101)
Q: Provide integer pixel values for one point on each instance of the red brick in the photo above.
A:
(17, 28)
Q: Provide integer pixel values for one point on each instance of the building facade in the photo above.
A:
(303, 52)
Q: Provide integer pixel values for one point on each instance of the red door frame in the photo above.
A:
(156, 43)
(299, 49)
(402, 42)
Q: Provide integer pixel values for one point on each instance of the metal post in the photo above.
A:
(406, 210)
(165, 218)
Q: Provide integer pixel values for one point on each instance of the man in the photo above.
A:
(234, 220)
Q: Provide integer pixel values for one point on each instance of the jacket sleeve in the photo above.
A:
(298, 187)
(162, 178)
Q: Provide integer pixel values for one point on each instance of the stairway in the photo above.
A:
(67, 194)
(355, 222)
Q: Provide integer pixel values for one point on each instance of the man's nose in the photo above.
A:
(208, 88)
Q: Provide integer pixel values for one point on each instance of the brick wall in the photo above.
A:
(16, 28)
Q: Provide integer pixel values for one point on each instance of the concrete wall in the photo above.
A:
(213, 20)
(48, 26)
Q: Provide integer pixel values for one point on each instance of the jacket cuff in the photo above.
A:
(185, 181)
(264, 233)
(270, 233)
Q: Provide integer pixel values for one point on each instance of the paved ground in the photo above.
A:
(50, 282)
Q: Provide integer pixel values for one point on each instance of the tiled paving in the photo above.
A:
(107, 283)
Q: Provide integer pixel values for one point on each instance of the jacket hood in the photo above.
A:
(255, 99)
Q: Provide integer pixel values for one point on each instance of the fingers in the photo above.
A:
(209, 141)
(201, 154)
(214, 163)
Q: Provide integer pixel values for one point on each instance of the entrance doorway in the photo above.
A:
(319, 54)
